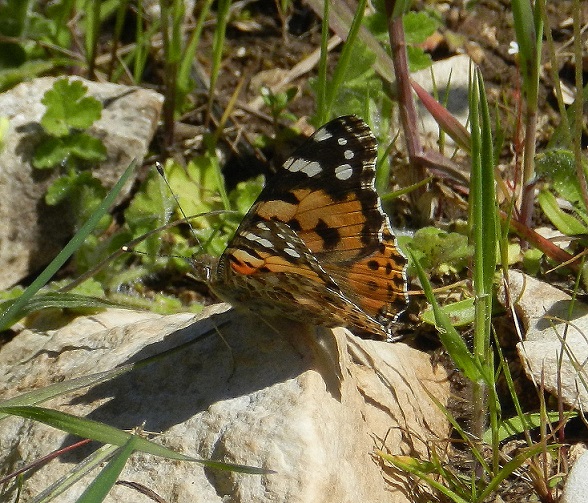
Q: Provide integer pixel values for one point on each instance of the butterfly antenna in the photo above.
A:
(159, 168)
(187, 219)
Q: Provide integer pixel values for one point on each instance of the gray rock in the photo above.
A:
(311, 404)
(576, 486)
(554, 351)
(32, 233)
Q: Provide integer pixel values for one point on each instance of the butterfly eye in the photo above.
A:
(203, 267)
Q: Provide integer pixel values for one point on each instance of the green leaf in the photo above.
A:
(68, 108)
(517, 425)
(532, 261)
(151, 207)
(83, 193)
(418, 26)
(58, 191)
(244, 194)
(441, 251)
(52, 151)
(86, 147)
(459, 313)
(195, 185)
(417, 59)
(49, 153)
(565, 223)
(559, 166)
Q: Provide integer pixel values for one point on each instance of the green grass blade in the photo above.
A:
(345, 58)
(189, 55)
(61, 388)
(509, 468)
(92, 33)
(100, 432)
(81, 427)
(14, 312)
(102, 484)
(78, 472)
(485, 239)
(524, 26)
(411, 467)
(321, 101)
(218, 44)
(529, 31)
(56, 300)
(142, 44)
(450, 338)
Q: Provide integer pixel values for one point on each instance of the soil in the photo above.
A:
(484, 32)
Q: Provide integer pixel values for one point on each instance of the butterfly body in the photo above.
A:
(316, 246)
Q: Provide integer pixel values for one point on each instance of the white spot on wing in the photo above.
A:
(321, 135)
(295, 165)
(266, 243)
(292, 252)
(309, 168)
(343, 172)
(349, 154)
(342, 141)
(313, 169)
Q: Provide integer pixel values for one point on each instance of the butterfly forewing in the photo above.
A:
(317, 241)
(331, 202)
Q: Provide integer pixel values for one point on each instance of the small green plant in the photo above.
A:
(440, 251)
(278, 102)
(69, 113)
(68, 147)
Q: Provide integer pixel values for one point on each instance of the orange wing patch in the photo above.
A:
(322, 223)
(242, 262)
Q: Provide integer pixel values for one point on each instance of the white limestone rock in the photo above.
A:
(554, 350)
(272, 399)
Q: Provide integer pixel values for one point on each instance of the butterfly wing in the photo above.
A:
(325, 192)
(332, 205)
(320, 221)
(270, 270)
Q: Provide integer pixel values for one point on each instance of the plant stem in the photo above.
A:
(407, 109)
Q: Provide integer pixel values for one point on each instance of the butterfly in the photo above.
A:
(316, 245)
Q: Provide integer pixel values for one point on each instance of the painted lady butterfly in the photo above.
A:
(316, 245)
